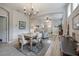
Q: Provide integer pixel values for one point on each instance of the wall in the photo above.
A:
(14, 17)
(68, 20)
(17, 16)
(64, 22)
(70, 23)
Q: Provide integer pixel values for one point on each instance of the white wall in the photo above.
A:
(70, 23)
(17, 16)
(14, 17)
(64, 22)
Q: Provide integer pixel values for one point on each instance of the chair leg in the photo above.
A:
(21, 47)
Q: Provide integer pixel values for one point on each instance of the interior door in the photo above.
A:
(3, 29)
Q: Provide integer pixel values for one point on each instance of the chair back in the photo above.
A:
(22, 39)
(39, 36)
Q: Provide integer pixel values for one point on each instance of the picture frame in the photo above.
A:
(22, 25)
(75, 22)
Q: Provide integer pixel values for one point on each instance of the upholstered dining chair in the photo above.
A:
(22, 40)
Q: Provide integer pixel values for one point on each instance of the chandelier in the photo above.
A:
(31, 11)
(48, 21)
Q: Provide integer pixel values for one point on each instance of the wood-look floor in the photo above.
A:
(55, 46)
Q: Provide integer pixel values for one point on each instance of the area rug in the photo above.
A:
(38, 50)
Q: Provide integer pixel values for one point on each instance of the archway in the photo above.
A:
(4, 24)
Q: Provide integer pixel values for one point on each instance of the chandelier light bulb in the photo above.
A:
(24, 8)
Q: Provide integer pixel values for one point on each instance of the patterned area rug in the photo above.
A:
(37, 50)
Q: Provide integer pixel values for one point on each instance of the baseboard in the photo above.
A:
(13, 41)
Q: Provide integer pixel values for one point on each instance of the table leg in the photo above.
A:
(31, 44)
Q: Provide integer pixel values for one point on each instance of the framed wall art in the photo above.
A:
(75, 22)
(22, 24)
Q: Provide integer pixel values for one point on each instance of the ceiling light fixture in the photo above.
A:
(31, 11)
(48, 22)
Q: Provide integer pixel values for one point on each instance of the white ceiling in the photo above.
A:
(44, 8)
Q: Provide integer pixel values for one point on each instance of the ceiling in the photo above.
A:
(43, 8)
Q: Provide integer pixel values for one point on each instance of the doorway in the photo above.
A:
(3, 29)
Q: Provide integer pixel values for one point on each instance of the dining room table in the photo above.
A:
(29, 38)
